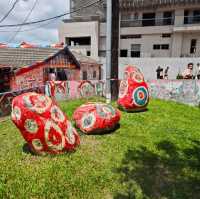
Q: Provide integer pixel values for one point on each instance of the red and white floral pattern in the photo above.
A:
(43, 125)
(133, 91)
(96, 118)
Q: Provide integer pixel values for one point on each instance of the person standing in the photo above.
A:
(198, 71)
(166, 73)
(159, 72)
(188, 72)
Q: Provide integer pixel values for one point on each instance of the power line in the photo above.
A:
(31, 29)
(9, 11)
(51, 18)
(34, 28)
(25, 20)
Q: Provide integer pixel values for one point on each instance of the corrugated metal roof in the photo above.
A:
(20, 57)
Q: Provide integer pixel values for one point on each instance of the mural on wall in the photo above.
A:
(6, 99)
(183, 91)
(62, 90)
(31, 79)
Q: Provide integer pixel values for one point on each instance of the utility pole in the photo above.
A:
(112, 45)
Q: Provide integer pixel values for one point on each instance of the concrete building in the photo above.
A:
(156, 28)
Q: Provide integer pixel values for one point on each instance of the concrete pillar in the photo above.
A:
(179, 17)
(177, 41)
(95, 40)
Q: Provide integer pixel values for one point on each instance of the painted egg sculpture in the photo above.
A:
(133, 91)
(43, 125)
(94, 118)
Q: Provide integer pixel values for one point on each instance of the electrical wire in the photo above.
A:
(51, 18)
(9, 11)
(24, 21)
(31, 29)
(34, 28)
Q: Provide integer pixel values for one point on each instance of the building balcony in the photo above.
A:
(191, 20)
(190, 24)
(74, 47)
(147, 22)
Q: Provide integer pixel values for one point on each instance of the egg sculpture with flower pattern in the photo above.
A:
(133, 91)
(98, 118)
(43, 125)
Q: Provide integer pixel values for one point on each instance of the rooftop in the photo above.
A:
(21, 57)
(125, 4)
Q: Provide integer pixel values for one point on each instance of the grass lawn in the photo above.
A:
(154, 155)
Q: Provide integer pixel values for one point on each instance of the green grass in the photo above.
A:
(154, 154)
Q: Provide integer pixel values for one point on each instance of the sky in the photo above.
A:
(44, 9)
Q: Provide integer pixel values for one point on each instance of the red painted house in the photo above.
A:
(23, 68)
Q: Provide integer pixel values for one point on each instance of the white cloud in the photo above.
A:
(44, 9)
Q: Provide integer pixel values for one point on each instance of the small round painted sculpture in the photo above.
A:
(95, 118)
(133, 92)
(43, 125)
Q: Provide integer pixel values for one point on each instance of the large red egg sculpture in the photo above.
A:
(94, 118)
(133, 92)
(43, 125)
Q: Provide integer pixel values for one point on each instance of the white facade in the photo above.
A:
(172, 31)
(148, 66)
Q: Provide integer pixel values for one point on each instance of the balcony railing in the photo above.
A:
(192, 20)
(148, 22)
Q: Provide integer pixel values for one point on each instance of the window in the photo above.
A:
(81, 41)
(186, 16)
(5, 75)
(193, 46)
(196, 14)
(135, 50)
(102, 53)
(165, 35)
(94, 74)
(123, 53)
(161, 46)
(165, 46)
(131, 36)
(61, 75)
(88, 53)
(167, 18)
(148, 19)
(156, 47)
(84, 75)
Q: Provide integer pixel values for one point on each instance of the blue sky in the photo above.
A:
(45, 8)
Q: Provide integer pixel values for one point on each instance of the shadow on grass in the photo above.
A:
(170, 174)
(106, 132)
(133, 111)
(26, 149)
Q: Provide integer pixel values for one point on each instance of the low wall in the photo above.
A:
(65, 90)
(183, 91)
(6, 99)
